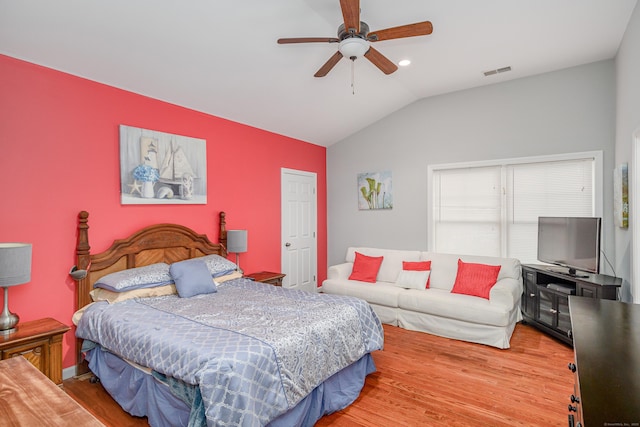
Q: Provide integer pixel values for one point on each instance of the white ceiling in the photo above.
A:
(221, 56)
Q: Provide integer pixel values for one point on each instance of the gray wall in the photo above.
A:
(570, 110)
(628, 122)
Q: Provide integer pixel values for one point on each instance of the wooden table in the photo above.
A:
(29, 398)
(267, 277)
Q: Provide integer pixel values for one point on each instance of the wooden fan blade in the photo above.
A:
(324, 70)
(380, 61)
(309, 40)
(351, 14)
(418, 29)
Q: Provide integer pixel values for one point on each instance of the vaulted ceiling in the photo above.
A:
(221, 56)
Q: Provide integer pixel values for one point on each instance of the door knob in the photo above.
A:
(287, 244)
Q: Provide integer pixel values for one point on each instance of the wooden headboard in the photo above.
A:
(156, 243)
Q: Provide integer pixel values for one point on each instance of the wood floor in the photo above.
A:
(424, 380)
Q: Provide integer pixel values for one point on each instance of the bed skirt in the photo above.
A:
(140, 394)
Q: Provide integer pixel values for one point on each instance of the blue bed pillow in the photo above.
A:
(218, 266)
(192, 277)
(148, 276)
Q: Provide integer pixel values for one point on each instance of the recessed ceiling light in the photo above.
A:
(404, 63)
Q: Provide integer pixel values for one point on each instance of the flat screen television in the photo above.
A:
(571, 242)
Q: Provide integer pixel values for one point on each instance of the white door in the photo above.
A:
(299, 223)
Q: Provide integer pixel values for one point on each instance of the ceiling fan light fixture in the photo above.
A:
(354, 39)
(353, 47)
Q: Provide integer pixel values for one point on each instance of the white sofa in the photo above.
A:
(436, 310)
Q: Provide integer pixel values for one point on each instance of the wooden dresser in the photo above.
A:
(606, 342)
(40, 342)
(31, 399)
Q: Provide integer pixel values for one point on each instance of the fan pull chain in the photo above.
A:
(353, 76)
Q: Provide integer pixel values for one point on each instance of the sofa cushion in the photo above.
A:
(391, 264)
(374, 293)
(443, 303)
(443, 270)
(475, 279)
(365, 268)
(413, 279)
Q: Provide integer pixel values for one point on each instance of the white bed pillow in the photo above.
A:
(410, 279)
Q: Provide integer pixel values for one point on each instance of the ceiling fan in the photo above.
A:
(354, 39)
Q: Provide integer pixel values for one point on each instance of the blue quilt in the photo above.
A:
(254, 350)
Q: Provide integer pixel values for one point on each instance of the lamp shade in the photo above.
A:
(15, 264)
(236, 241)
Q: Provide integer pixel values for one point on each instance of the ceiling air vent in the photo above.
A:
(496, 71)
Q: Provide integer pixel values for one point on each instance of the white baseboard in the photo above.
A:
(69, 372)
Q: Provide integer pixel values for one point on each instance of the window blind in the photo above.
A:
(493, 209)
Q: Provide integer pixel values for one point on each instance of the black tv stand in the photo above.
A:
(574, 273)
(545, 300)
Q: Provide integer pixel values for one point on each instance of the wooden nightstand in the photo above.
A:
(40, 342)
(267, 277)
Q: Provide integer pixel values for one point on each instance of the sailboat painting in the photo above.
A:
(161, 168)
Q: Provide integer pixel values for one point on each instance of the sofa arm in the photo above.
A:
(340, 271)
(506, 292)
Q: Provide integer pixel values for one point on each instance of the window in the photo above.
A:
(492, 208)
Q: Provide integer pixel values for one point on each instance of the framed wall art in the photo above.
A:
(375, 191)
(161, 168)
(621, 195)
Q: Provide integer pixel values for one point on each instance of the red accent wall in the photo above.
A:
(59, 139)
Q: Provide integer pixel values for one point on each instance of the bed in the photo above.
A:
(205, 346)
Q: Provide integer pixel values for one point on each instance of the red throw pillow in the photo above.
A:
(475, 279)
(418, 266)
(365, 268)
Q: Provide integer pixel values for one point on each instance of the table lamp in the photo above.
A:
(15, 269)
(237, 243)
